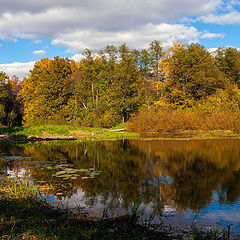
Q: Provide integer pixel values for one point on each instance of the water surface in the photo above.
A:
(196, 179)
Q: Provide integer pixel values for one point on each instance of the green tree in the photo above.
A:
(2, 114)
(155, 53)
(3, 97)
(14, 108)
(228, 61)
(126, 92)
(193, 71)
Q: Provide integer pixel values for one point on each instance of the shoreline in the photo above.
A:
(25, 214)
(68, 133)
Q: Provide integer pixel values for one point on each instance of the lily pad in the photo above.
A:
(85, 177)
(60, 173)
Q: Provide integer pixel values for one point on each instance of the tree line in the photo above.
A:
(106, 88)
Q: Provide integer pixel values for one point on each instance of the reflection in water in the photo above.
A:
(178, 175)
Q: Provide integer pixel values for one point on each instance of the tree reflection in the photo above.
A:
(181, 174)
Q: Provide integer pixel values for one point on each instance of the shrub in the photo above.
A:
(167, 120)
(177, 120)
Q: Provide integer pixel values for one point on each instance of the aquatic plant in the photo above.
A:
(20, 188)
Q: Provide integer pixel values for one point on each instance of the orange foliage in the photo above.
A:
(177, 120)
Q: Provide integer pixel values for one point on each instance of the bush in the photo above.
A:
(168, 120)
(177, 120)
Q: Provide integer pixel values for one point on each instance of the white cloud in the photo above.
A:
(77, 57)
(81, 24)
(212, 50)
(37, 41)
(212, 35)
(39, 52)
(137, 38)
(37, 19)
(227, 18)
(19, 69)
(176, 6)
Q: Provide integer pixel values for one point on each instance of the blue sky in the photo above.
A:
(31, 30)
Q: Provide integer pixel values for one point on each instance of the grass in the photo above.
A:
(213, 233)
(54, 132)
(64, 132)
(13, 188)
(191, 135)
(25, 214)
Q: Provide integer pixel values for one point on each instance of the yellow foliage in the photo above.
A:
(222, 101)
(175, 99)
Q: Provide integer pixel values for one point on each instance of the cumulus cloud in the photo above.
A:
(80, 24)
(210, 35)
(138, 38)
(39, 52)
(35, 19)
(227, 18)
(19, 69)
(176, 6)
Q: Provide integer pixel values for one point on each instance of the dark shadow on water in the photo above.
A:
(33, 218)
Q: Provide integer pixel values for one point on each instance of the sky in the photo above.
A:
(33, 29)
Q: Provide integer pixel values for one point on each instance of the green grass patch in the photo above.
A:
(119, 126)
(37, 130)
(67, 131)
(58, 131)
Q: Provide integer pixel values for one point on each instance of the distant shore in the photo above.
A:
(67, 132)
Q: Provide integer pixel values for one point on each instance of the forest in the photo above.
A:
(183, 87)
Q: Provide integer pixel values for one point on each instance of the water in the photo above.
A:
(196, 180)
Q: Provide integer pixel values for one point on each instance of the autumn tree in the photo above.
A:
(194, 72)
(46, 92)
(106, 87)
(228, 61)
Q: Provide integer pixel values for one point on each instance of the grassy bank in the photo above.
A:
(25, 214)
(190, 135)
(51, 132)
(67, 132)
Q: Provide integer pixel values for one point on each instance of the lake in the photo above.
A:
(183, 181)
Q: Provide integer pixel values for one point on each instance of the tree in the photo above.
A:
(193, 71)
(2, 114)
(155, 53)
(14, 108)
(126, 92)
(228, 61)
(90, 83)
(45, 92)
(3, 96)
